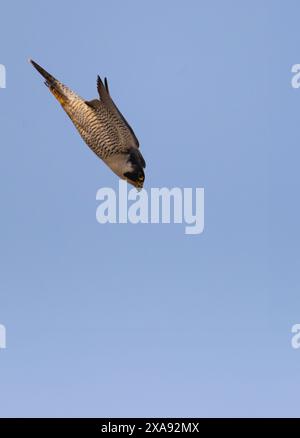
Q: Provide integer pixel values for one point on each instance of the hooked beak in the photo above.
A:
(138, 184)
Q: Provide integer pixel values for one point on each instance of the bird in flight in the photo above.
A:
(102, 127)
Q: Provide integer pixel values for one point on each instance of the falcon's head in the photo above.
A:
(134, 168)
(129, 166)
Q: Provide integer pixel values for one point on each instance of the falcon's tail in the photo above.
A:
(60, 91)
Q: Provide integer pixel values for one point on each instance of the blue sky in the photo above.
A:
(143, 320)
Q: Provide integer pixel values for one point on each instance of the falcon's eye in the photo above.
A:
(132, 159)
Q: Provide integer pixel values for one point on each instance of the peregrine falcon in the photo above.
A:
(102, 127)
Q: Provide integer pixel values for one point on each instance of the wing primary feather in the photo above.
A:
(99, 86)
(109, 103)
(106, 85)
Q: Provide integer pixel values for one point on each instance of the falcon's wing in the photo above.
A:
(112, 131)
(109, 103)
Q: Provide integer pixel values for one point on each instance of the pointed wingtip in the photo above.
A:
(106, 84)
(102, 88)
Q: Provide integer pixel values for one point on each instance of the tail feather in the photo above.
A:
(49, 78)
(57, 88)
